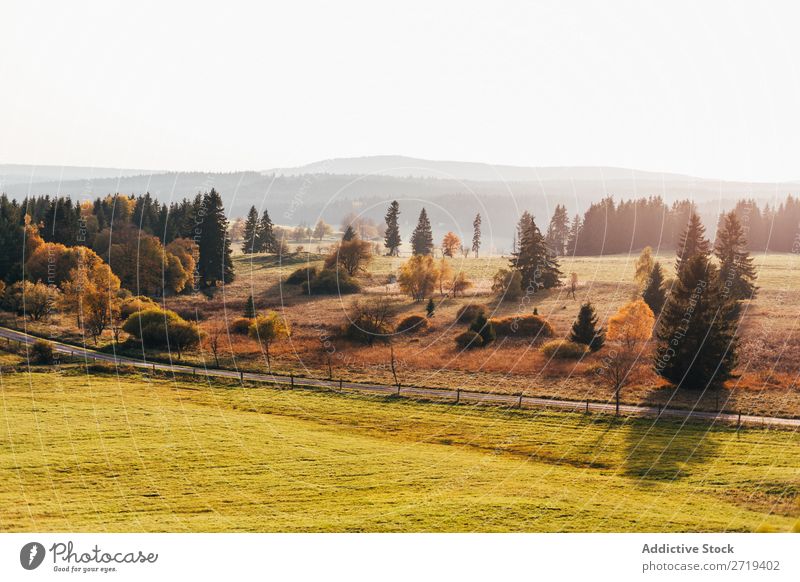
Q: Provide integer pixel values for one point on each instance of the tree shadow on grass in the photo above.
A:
(666, 450)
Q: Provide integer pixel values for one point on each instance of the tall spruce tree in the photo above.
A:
(585, 330)
(537, 267)
(12, 240)
(391, 239)
(265, 235)
(693, 242)
(214, 264)
(572, 237)
(422, 238)
(736, 270)
(476, 235)
(697, 341)
(250, 232)
(558, 231)
(654, 293)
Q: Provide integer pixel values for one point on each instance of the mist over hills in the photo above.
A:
(29, 174)
(453, 192)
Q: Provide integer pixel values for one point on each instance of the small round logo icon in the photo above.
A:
(31, 555)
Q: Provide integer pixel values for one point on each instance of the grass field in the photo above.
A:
(132, 453)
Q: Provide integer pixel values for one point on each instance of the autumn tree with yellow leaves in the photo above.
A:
(628, 332)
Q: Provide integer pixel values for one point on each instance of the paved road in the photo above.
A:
(455, 395)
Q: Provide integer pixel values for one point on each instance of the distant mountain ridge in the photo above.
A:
(404, 166)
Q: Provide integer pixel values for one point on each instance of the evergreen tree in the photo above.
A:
(422, 238)
(693, 242)
(484, 328)
(536, 265)
(250, 231)
(430, 308)
(654, 293)
(584, 329)
(250, 308)
(558, 231)
(697, 341)
(476, 235)
(12, 240)
(572, 237)
(191, 217)
(349, 233)
(737, 272)
(62, 222)
(265, 236)
(214, 264)
(391, 239)
(145, 213)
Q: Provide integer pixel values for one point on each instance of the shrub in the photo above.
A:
(42, 352)
(469, 340)
(564, 350)
(413, 324)
(469, 313)
(191, 313)
(302, 275)
(330, 282)
(507, 284)
(523, 326)
(240, 325)
(370, 322)
(131, 305)
(484, 328)
(157, 328)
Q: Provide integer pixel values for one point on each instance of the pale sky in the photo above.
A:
(710, 89)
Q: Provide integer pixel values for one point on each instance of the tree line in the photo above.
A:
(152, 247)
(609, 227)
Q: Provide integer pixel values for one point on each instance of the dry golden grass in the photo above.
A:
(769, 333)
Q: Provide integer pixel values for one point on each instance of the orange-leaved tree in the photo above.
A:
(628, 332)
(450, 244)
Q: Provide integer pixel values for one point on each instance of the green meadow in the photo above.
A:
(131, 453)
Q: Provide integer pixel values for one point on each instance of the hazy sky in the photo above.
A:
(710, 89)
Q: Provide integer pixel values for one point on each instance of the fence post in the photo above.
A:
(520, 400)
(458, 395)
(340, 383)
(587, 406)
(154, 368)
(241, 376)
(291, 376)
(739, 422)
